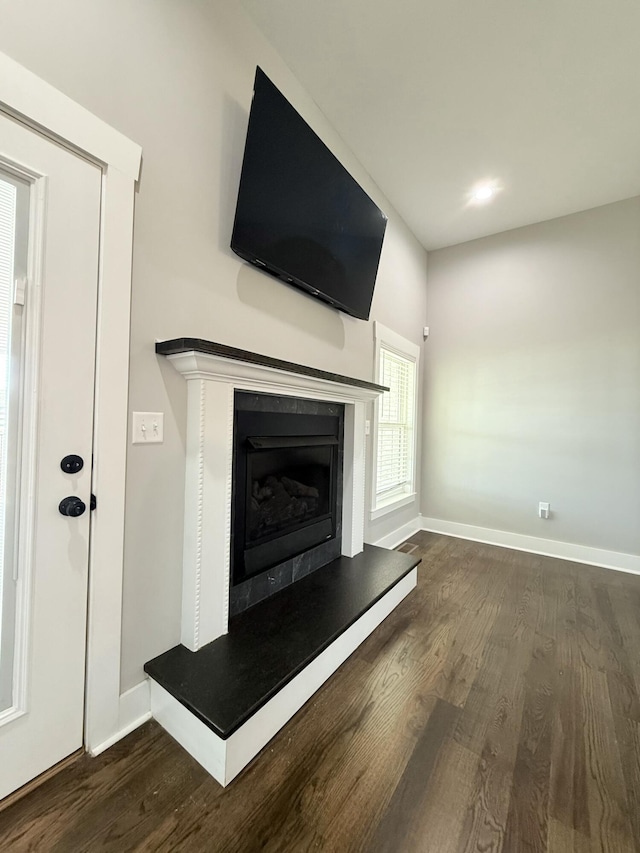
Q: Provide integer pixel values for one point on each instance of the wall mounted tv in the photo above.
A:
(300, 215)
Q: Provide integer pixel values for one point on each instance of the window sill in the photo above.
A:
(391, 505)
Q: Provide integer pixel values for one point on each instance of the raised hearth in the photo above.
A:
(236, 687)
(231, 678)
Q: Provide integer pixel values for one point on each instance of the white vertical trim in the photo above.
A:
(353, 498)
(207, 519)
(106, 558)
(193, 515)
(42, 106)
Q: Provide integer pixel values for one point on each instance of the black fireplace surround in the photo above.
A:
(287, 492)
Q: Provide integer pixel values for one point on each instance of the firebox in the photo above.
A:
(287, 488)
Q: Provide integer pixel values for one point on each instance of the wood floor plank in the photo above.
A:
(527, 821)
(589, 634)
(563, 839)
(397, 830)
(609, 818)
(489, 726)
(438, 823)
(569, 804)
(496, 709)
(622, 678)
(628, 737)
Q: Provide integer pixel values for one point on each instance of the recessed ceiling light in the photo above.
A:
(484, 193)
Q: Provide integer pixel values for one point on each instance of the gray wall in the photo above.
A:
(533, 380)
(177, 77)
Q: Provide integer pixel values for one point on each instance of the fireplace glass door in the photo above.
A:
(290, 492)
(288, 484)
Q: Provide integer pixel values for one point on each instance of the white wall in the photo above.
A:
(533, 380)
(177, 78)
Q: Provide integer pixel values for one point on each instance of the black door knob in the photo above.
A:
(72, 506)
(72, 464)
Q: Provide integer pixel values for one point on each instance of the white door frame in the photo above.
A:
(40, 105)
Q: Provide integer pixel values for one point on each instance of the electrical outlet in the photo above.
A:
(147, 428)
(543, 509)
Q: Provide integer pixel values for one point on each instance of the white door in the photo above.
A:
(49, 241)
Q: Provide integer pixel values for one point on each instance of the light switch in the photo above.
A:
(147, 428)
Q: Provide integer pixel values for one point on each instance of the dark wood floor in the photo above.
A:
(497, 709)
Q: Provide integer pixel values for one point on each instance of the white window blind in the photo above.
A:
(396, 425)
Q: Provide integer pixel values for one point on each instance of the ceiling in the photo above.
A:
(541, 97)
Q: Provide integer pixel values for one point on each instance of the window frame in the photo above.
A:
(387, 339)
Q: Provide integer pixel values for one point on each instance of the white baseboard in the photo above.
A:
(224, 759)
(134, 710)
(535, 545)
(519, 542)
(398, 536)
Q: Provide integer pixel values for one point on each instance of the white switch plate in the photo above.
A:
(147, 428)
(543, 509)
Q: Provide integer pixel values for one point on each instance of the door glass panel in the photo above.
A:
(14, 196)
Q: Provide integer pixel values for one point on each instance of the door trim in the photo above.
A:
(44, 108)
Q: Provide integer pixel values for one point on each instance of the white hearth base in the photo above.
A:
(224, 759)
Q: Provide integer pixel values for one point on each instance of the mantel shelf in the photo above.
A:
(180, 346)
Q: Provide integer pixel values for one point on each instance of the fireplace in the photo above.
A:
(218, 377)
(231, 684)
(287, 492)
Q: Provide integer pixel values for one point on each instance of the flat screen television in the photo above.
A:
(300, 215)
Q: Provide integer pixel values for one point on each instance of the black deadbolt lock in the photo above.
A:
(72, 506)
(72, 464)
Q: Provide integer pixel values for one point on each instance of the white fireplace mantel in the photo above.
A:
(213, 373)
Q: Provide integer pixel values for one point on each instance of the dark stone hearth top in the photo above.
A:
(230, 679)
(178, 345)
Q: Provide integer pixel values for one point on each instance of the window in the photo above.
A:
(14, 224)
(395, 422)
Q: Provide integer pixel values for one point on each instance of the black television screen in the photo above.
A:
(300, 215)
